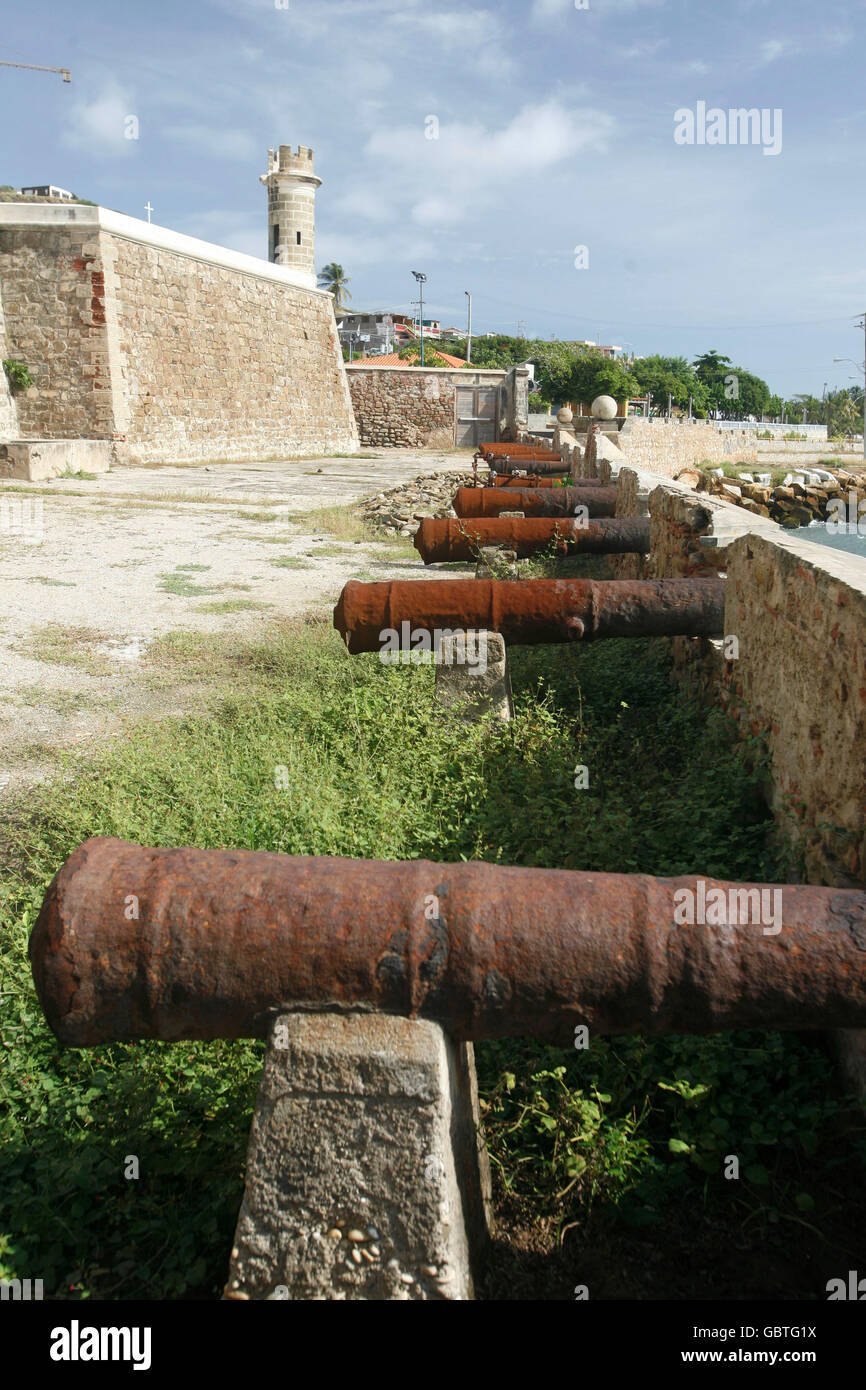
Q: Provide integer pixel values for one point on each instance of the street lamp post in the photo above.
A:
(861, 366)
(422, 279)
(469, 328)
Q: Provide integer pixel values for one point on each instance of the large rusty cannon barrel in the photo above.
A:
(449, 539)
(531, 611)
(530, 480)
(507, 448)
(536, 501)
(543, 466)
(223, 939)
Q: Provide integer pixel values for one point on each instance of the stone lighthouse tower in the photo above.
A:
(291, 186)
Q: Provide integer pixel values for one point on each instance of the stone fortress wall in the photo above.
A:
(417, 406)
(798, 612)
(790, 671)
(175, 349)
(412, 406)
(664, 447)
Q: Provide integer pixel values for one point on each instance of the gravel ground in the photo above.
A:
(106, 565)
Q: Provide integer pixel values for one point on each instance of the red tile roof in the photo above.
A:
(392, 359)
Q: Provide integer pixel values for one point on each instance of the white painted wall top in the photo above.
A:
(150, 234)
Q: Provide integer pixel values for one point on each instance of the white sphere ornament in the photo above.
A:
(565, 416)
(603, 408)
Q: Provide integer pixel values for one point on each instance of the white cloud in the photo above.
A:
(472, 33)
(773, 49)
(828, 37)
(211, 140)
(546, 10)
(648, 49)
(101, 123)
(396, 249)
(226, 227)
(444, 181)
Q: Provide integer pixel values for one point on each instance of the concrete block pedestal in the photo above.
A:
(37, 459)
(366, 1176)
(472, 677)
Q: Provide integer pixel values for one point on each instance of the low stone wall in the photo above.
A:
(798, 613)
(850, 449)
(665, 447)
(791, 669)
(413, 407)
(174, 348)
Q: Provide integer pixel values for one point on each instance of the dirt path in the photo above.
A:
(93, 571)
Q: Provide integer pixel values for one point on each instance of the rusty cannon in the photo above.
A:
(501, 457)
(527, 480)
(224, 940)
(530, 611)
(491, 453)
(542, 466)
(543, 501)
(461, 539)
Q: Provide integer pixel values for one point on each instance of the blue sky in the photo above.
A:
(555, 130)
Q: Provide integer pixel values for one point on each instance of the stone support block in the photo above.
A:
(472, 677)
(366, 1176)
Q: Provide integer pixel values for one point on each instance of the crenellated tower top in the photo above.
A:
(291, 185)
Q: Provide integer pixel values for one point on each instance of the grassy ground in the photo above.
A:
(608, 1162)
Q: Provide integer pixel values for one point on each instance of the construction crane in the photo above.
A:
(37, 67)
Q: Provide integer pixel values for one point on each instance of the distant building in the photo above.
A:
(606, 349)
(374, 333)
(48, 190)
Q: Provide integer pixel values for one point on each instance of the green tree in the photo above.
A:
(745, 395)
(815, 409)
(499, 351)
(455, 347)
(669, 375)
(711, 369)
(845, 412)
(733, 392)
(332, 277)
(555, 365)
(573, 372)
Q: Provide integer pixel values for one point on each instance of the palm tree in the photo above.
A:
(331, 277)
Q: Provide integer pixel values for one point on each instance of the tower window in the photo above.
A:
(275, 241)
(298, 235)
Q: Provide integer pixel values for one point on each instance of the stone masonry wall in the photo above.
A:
(53, 306)
(798, 612)
(220, 364)
(664, 448)
(795, 677)
(403, 406)
(8, 407)
(171, 355)
(410, 406)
